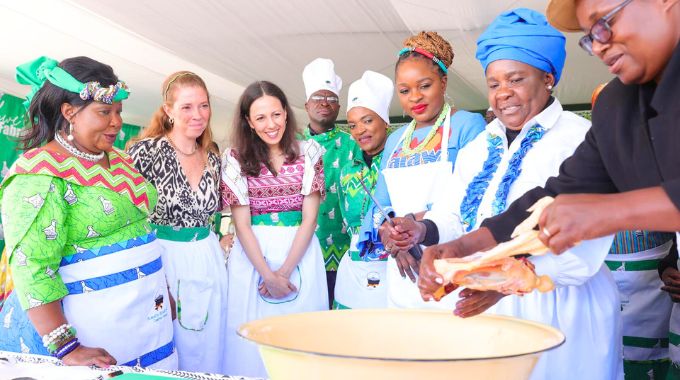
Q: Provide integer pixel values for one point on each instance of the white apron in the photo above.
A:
(246, 304)
(411, 190)
(360, 284)
(197, 277)
(122, 300)
(645, 308)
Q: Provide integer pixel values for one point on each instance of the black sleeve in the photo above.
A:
(431, 233)
(583, 172)
(672, 188)
(671, 260)
(142, 154)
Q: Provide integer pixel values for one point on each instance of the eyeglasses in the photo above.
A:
(324, 99)
(601, 31)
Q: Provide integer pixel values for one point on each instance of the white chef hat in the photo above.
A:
(373, 91)
(320, 75)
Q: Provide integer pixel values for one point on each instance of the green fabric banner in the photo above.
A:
(129, 131)
(13, 119)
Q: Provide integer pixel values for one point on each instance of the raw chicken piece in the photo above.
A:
(507, 275)
(497, 269)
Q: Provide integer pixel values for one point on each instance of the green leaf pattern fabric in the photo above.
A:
(332, 232)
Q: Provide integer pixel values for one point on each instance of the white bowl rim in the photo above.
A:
(557, 333)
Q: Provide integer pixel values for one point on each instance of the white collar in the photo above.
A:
(546, 118)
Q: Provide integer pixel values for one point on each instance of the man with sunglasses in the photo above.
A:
(626, 174)
(322, 88)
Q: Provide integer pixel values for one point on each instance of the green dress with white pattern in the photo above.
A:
(57, 209)
(360, 282)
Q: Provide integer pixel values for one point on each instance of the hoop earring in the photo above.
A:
(70, 137)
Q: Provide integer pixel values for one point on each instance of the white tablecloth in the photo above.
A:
(14, 365)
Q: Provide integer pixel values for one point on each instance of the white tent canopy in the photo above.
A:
(233, 43)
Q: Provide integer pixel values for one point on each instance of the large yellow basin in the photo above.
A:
(399, 344)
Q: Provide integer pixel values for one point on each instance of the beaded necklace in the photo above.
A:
(374, 249)
(366, 197)
(474, 194)
(77, 152)
(408, 136)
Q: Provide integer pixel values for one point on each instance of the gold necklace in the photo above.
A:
(180, 151)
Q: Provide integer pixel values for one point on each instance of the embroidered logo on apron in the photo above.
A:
(372, 280)
(158, 309)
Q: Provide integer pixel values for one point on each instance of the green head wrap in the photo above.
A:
(36, 72)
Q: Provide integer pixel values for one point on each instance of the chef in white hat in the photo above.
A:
(361, 276)
(322, 89)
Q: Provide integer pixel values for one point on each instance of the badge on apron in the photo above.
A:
(158, 306)
(372, 280)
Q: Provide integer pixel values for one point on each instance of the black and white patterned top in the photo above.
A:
(178, 204)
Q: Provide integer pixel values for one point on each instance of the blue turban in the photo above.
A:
(523, 35)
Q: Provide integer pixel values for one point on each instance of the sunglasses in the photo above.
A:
(324, 99)
(601, 31)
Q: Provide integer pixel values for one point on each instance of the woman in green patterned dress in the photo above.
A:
(89, 283)
(361, 275)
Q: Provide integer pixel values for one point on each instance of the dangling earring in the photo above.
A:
(549, 87)
(171, 120)
(70, 133)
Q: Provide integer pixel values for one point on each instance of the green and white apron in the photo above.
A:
(645, 310)
(197, 279)
(274, 233)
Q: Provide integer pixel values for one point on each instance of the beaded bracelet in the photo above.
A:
(67, 348)
(58, 337)
(62, 333)
(52, 335)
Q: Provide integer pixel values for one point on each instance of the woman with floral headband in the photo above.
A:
(418, 156)
(89, 283)
(176, 154)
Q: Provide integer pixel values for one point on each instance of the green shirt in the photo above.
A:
(331, 231)
(355, 201)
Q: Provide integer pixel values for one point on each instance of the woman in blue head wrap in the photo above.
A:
(522, 57)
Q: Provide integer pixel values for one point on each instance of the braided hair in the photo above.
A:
(431, 42)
